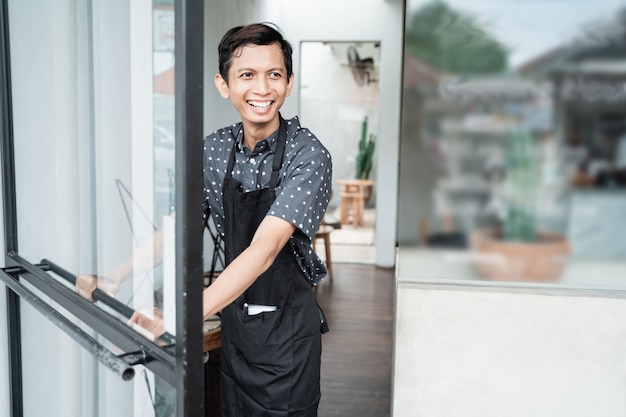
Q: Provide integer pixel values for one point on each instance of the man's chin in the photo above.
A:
(262, 119)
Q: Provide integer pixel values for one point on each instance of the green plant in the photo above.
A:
(454, 41)
(521, 188)
(365, 155)
(524, 252)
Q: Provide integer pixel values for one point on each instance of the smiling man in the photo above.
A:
(267, 185)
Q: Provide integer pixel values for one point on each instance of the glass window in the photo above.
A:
(513, 158)
(93, 121)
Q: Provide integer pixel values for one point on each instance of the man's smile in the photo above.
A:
(260, 104)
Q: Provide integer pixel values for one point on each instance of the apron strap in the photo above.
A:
(231, 158)
(279, 154)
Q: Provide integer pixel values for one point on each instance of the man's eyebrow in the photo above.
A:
(247, 69)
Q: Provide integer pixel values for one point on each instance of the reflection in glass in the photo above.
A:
(514, 130)
(93, 119)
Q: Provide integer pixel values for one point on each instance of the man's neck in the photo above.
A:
(253, 133)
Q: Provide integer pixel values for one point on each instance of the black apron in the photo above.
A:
(270, 364)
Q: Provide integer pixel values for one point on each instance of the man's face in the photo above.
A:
(257, 86)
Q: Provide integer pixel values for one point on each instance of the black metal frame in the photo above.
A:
(189, 97)
(184, 370)
(117, 364)
(9, 213)
(112, 328)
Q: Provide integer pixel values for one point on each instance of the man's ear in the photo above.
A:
(290, 84)
(222, 86)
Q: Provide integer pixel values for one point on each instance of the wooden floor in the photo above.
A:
(356, 353)
(356, 357)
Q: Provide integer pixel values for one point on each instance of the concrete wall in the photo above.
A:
(465, 353)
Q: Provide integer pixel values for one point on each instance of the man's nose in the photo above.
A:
(262, 85)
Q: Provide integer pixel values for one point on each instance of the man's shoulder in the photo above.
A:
(225, 133)
(303, 147)
(299, 135)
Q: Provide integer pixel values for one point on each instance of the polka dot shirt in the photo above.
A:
(302, 193)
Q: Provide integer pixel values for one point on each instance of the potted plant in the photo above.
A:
(365, 156)
(356, 192)
(517, 250)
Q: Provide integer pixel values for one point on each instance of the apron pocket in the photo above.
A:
(265, 339)
(265, 365)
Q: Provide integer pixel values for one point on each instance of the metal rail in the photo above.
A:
(105, 356)
(103, 297)
(155, 357)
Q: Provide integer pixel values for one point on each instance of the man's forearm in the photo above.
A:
(235, 279)
(148, 255)
(268, 241)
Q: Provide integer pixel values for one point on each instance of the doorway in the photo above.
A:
(339, 102)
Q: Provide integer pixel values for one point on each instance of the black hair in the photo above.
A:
(252, 34)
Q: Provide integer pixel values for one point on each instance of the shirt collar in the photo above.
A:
(261, 146)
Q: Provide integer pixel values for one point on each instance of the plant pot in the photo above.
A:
(499, 260)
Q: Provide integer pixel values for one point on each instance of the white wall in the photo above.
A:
(328, 20)
(466, 353)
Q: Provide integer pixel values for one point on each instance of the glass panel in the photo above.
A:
(93, 111)
(513, 164)
(75, 383)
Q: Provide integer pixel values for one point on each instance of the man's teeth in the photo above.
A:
(260, 104)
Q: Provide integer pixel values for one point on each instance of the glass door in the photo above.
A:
(96, 163)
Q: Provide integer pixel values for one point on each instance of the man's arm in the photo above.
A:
(269, 239)
(148, 255)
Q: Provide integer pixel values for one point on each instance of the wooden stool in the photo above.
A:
(352, 205)
(324, 233)
(353, 194)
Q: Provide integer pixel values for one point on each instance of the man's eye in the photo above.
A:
(276, 75)
(245, 75)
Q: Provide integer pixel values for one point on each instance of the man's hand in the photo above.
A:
(87, 283)
(149, 320)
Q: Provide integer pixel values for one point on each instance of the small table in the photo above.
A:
(353, 194)
(212, 332)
